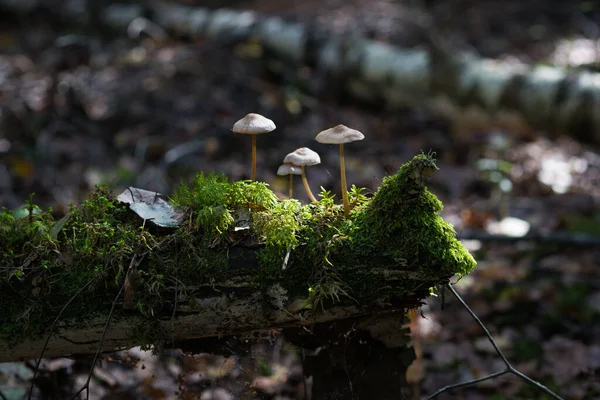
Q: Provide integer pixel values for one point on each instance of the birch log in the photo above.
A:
(508, 94)
(461, 86)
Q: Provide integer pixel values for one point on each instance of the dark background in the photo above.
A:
(82, 105)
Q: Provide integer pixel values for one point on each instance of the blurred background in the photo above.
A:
(82, 103)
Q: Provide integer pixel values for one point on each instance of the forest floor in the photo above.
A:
(78, 108)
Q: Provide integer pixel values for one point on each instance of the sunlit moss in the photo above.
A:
(403, 222)
(279, 225)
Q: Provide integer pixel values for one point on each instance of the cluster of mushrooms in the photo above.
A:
(294, 162)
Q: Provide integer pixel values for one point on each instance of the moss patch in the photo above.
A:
(331, 258)
(403, 223)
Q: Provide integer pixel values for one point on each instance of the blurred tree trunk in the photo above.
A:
(472, 92)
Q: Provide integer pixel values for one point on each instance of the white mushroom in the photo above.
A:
(289, 170)
(341, 134)
(253, 124)
(303, 157)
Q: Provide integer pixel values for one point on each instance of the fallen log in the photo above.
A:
(240, 260)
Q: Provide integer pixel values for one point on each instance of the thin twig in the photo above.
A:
(86, 386)
(39, 360)
(173, 314)
(468, 383)
(476, 318)
(509, 367)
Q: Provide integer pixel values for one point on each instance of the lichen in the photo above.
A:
(332, 259)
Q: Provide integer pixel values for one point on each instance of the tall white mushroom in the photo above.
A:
(341, 134)
(253, 124)
(303, 157)
(289, 170)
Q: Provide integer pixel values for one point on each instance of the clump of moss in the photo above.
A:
(212, 199)
(212, 203)
(403, 222)
(24, 239)
(24, 242)
(279, 225)
(399, 229)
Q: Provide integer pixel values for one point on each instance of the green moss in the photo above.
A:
(213, 199)
(403, 223)
(43, 267)
(331, 258)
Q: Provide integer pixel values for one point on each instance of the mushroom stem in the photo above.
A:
(344, 188)
(253, 173)
(291, 184)
(307, 188)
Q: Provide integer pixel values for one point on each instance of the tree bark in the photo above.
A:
(219, 316)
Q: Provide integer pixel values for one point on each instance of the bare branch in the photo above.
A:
(509, 367)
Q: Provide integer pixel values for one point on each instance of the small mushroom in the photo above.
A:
(289, 170)
(253, 124)
(341, 134)
(303, 157)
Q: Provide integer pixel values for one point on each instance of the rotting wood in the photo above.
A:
(218, 316)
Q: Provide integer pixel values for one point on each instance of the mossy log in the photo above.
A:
(240, 260)
(464, 87)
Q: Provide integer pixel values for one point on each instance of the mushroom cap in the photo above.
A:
(289, 169)
(339, 134)
(302, 157)
(253, 124)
